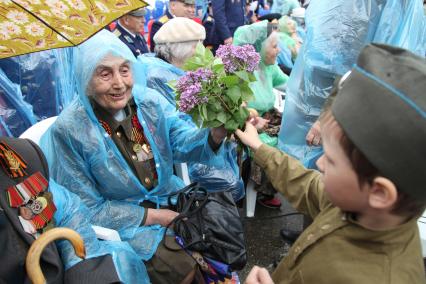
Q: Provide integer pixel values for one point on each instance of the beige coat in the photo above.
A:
(335, 249)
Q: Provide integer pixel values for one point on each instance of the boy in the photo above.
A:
(366, 202)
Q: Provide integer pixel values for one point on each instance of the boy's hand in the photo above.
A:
(259, 275)
(249, 137)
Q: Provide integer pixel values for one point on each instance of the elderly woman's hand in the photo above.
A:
(160, 216)
(313, 138)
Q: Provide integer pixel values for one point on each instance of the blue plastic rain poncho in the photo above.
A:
(16, 115)
(72, 213)
(84, 158)
(284, 7)
(222, 172)
(45, 84)
(336, 32)
(267, 76)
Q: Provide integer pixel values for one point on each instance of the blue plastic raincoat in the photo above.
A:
(222, 173)
(84, 158)
(72, 213)
(284, 7)
(336, 32)
(44, 87)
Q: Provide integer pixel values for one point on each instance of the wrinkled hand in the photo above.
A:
(259, 122)
(313, 138)
(160, 216)
(218, 134)
(259, 275)
(249, 137)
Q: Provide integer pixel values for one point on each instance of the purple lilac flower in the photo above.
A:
(192, 77)
(238, 58)
(190, 97)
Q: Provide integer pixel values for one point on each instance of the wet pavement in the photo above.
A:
(265, 246)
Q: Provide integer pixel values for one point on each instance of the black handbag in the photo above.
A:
(209, 223)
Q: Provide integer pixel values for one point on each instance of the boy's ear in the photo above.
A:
(383, 194)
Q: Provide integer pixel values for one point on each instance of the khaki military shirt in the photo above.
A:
(335, 249)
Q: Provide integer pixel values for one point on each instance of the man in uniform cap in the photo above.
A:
(177, 8)
(128, 31)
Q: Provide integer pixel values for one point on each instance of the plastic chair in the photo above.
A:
(35, 132)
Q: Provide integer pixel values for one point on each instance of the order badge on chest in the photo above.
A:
(35, 205)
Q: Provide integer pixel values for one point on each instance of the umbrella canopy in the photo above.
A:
(34, 25)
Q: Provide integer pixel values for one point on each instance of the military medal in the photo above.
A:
(12, 162)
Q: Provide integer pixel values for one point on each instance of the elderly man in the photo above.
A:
(128, 31)
(177, 8)
(115, 147)
(45, 205)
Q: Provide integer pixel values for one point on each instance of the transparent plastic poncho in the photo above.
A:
(284, 7)
(45, 84)
(83, 157)
(72, 213)
(336, 31)
(222, 173)
(267, 76)
(16, 115)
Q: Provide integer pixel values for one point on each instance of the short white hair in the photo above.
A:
(175, 51)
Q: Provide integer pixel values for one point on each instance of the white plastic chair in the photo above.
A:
(35, 132)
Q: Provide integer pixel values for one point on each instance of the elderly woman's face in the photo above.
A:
(271, 51)
(111, 83)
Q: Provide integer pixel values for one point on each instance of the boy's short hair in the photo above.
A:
(381, 108)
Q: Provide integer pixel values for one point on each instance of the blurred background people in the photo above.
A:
(177, 8)
(228, 16)
(128, 30)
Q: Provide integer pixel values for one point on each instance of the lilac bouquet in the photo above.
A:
(214, 89)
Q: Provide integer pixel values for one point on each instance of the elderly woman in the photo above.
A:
(115, 146)
(269, 76)
(175, 42)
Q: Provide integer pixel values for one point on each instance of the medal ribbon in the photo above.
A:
(23, 192)
(12, 162)
(42, 219)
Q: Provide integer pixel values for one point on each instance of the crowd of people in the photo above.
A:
(347, 151)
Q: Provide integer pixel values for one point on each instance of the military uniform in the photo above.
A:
(136, 43)
(335, 248)
(15, 240)
(166, 266)
(228, 16)
(156, 26)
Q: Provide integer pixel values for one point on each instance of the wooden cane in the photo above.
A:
(33, 257)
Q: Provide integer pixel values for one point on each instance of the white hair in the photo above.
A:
(175, 52)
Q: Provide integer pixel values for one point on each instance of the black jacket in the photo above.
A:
(15, 242)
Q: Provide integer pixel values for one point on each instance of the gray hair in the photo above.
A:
(175, 52)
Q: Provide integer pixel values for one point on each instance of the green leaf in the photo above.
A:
(230, 80)
(231, 125)
(234, 94)
(221, 116)
(214, 123)
(203, 112)
(244, 75)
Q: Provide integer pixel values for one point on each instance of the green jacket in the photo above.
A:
(335, 249)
